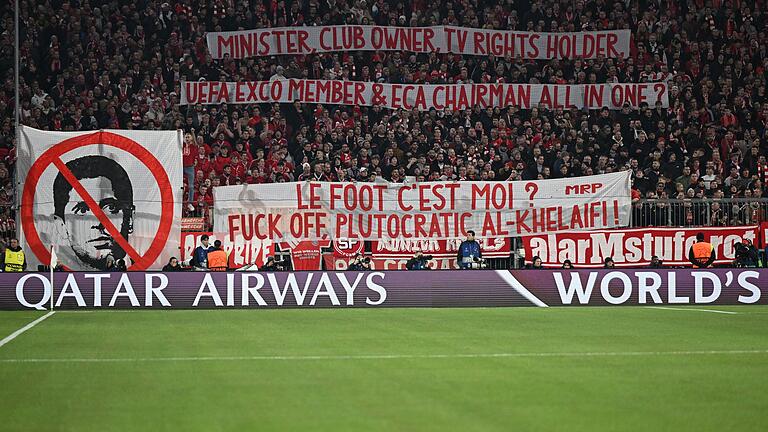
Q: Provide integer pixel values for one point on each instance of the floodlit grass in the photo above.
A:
(335, 389)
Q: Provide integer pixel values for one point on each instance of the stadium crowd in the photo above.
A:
(118, 64)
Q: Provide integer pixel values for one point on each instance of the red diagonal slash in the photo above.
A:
(96, 209)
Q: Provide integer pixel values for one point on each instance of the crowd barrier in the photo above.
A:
(487, 288)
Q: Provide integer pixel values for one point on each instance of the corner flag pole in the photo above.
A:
(53, 263)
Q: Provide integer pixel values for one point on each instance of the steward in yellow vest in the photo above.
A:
(13, 260)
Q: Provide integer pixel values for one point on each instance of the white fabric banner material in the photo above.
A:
(439, 210)
(100, 197)
(423, 97)
(439, 39)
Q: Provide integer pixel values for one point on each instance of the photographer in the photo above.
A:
(271, 265)
(746, 254)
(418, 261)
(359, 263)
(470, 255)
(655, 263)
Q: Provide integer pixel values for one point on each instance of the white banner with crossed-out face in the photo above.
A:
(100, 197)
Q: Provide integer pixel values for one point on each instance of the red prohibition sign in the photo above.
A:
(53, 155)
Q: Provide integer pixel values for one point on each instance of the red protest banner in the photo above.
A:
(437, 39)
(633, 247)
(435, 210)
(423, 97)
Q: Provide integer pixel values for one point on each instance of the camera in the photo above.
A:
(478, 264)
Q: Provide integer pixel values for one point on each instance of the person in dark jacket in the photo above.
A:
(200, 256)
(120, 265)
(747, 254)
(536, 263)
(469, 251)
(173, 265)
(418, 262)
(567, 265)
(655, 263)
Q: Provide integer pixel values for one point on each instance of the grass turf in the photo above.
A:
(697, 392)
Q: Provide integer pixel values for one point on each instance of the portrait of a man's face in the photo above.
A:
(110, 187)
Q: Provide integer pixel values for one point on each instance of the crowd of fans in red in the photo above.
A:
(118, 64)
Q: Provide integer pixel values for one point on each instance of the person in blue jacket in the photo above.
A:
(200, 256)
(469, 251)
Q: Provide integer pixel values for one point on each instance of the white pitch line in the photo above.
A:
(692, 309)
(15, 334)
(383, 356)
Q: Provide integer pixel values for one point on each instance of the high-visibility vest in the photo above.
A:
(217, 260)
(14, 261)
(702, 251)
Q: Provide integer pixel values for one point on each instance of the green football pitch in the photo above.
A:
(485, 369)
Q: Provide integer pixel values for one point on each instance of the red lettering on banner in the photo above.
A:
(634, 94)
(424, 201)
(429, 34)
(249, 226)
(314, 195)
(278, 41)
(520, 221)
(534, 48)
(239, 95)
(610, 45)
(321, 42)
(593, 95)
(263, 43)
(302, 41)
(401, 200)
(192, 90)
(334, 193)
(418, 225)
(577, 222)
(545, 99)
(359, 96)
(449, 38)
(479, 49)
(232, 227)
(396, 97)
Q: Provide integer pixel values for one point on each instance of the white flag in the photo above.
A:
(54, 258)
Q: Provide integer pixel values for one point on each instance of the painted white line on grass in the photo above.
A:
(383, 356)
(15, 334)
(692, 309)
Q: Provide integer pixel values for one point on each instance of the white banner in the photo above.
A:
(439, 39)
(423, 97)
(100, 196)
(439, 210)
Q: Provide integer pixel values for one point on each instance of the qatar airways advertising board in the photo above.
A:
(471, 288)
